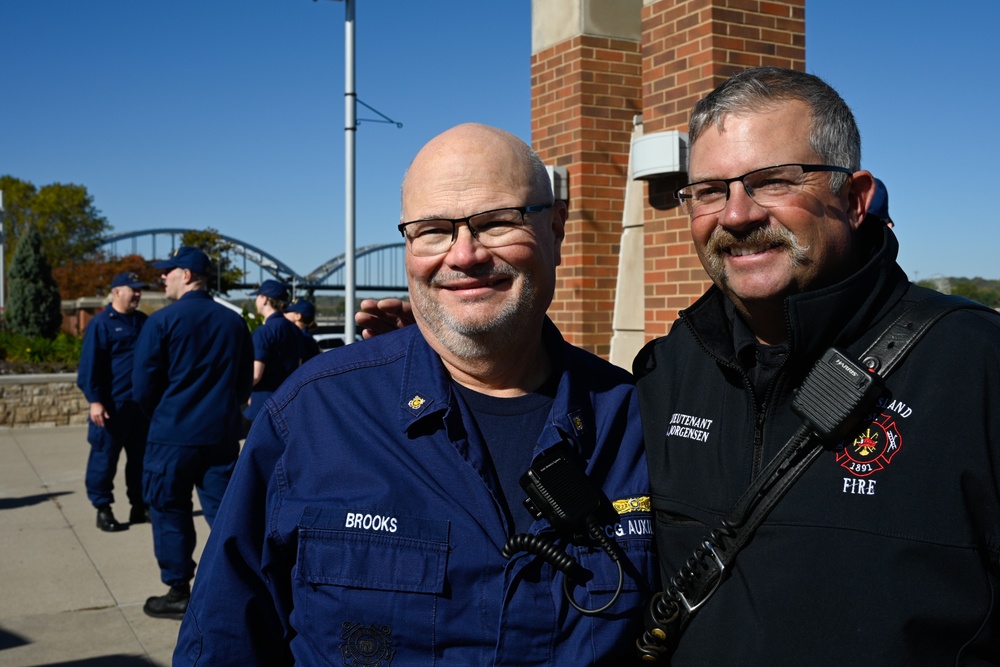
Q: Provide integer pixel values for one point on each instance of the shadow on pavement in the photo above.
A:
(10, 640)
(104, 661)
(27, 501)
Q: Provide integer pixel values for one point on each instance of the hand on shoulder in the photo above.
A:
(382, 316)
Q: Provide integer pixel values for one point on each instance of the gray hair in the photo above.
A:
(540, 181)
(834, 136)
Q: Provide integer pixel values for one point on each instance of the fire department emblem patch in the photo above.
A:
(369, 646)
(873, 447)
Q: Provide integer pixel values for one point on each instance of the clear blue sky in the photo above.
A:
(225, 114)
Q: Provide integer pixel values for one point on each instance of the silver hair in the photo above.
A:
(540, 181)
(834, 136)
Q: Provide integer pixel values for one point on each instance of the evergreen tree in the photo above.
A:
(33, 305)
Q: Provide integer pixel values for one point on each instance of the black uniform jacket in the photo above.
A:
(886, 551)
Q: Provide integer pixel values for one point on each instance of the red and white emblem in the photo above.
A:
(873, 448)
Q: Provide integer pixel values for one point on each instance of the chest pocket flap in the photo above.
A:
(373, 550)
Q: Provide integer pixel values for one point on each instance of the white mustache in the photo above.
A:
(486, 273)
(725, 241)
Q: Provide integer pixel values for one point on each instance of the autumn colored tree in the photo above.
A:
(93, 277)
(33, 307)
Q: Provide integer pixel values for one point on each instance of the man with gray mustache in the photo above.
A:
(886, 551)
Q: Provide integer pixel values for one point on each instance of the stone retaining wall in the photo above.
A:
(41, 400)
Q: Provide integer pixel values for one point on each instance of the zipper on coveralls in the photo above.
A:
(760, 407)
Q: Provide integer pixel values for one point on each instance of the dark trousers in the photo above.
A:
(125, 429)
(170, 476)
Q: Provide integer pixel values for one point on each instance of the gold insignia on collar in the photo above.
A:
(629, 505)
(416, 402)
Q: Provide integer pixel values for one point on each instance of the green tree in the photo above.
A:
(986, 292)
(224, 275)
(64, 214)
(972, 289)
(33, 307)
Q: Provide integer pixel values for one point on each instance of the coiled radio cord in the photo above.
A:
(546, 548)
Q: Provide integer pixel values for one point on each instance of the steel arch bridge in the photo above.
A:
(378, 267)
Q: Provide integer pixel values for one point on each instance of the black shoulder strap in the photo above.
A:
(896, 342)
(671, 610)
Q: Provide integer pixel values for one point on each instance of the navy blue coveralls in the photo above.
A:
(363, 524)
(276, 343)
(105, 376)
(193, 371)
(308, 347)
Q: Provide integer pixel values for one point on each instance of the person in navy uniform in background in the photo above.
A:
(116, 422)
(368, 517)
(193, 371)
(275, 346)
(302, 313)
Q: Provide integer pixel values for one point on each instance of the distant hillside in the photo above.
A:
(978, 289)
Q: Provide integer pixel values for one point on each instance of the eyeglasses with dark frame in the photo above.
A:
(770, 186)
(493, 229)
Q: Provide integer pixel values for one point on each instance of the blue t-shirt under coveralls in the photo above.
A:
(362, 525)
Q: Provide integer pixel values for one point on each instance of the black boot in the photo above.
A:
(139, 514)
(107, 522)
(171, 605)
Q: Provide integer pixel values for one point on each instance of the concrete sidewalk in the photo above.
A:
(71, 595)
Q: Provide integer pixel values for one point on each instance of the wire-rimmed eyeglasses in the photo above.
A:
(493, 229)
(770, 186)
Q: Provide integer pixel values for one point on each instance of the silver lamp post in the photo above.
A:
(350, 133)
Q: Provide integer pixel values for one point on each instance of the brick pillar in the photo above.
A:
(689, 47)
(594, 65)
(586, 85)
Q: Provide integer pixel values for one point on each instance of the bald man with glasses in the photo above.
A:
(376, 515)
